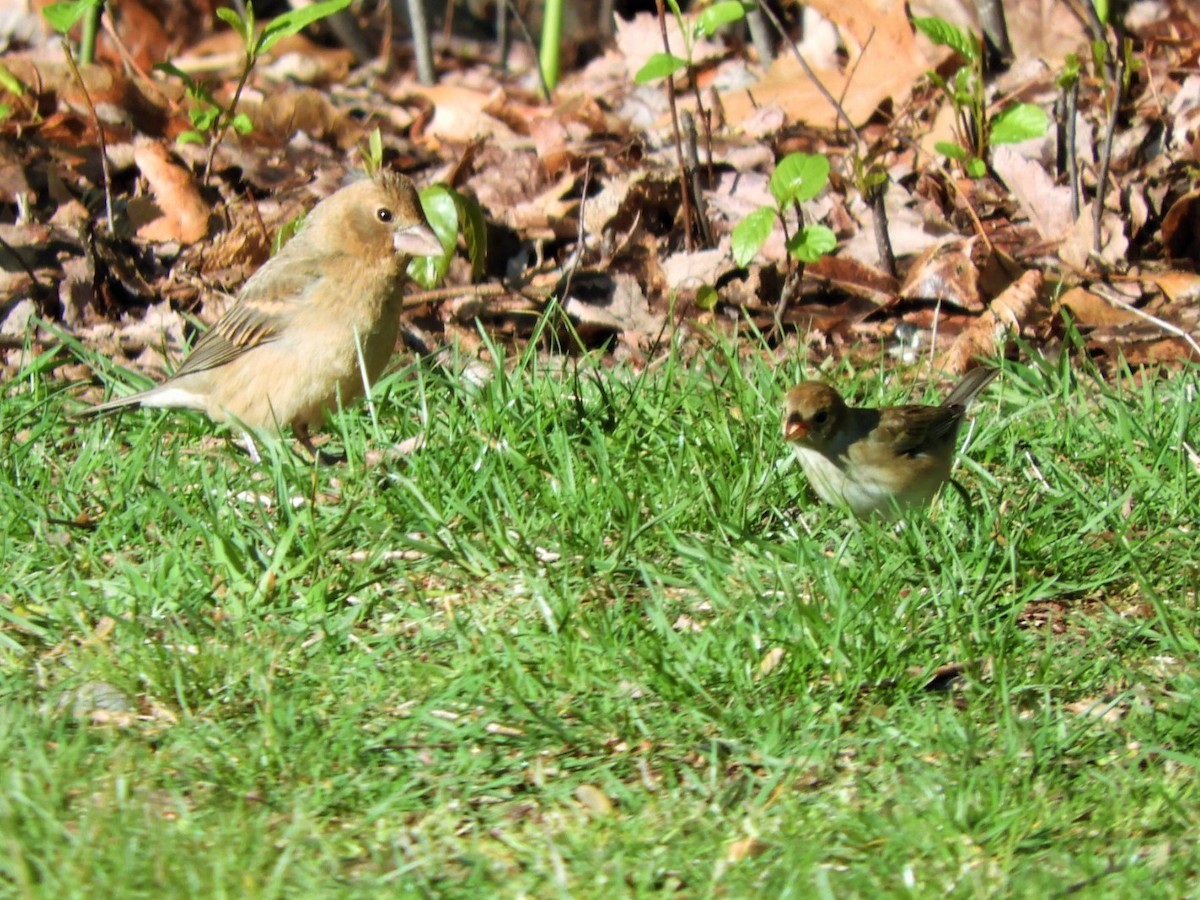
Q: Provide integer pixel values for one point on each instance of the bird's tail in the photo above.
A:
(111, 406)
(972, 383)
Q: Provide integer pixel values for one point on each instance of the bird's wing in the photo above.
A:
(909, 430)
(265, 304)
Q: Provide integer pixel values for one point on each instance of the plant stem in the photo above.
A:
(87, 97)
(422, 43)
(1106, 155)
(684, 187)
(548, 58)
(87, 42)
(228, 115)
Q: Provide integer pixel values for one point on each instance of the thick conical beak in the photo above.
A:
(795, 429)
(417, 240)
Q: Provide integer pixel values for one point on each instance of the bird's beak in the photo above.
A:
(417, 240)
(795, 429)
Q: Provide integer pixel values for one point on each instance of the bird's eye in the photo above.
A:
(821, 418)
(383, 214)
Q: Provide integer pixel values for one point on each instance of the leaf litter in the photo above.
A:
(590, 182)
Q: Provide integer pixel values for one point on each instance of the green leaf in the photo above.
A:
(204, 118)
(10, 82)
(243, 27)
(812, 243)
(718, 15)
(964, 43)
(171, 69)
(799, 177)
(1070, 71)
(707, 298)
(1019, 122)
(474, 229)
(751, 233)
(5, 110)
(963, 91)
(296, 21)
(874, 179)
(441, 210)
(241, 124)
(660, 65)
(953, 151)
(190, 137)
(63, 16)
(375, 147)
(976, 167)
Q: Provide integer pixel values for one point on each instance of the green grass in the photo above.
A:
(596, 639)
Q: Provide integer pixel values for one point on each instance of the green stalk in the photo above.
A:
(87, 42)
(551, 38)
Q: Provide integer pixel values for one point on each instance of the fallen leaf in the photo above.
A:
(1007, 313)
(946, 273)
(178, 212)
(596, 801)
(1047, 205)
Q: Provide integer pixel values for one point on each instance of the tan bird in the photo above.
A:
(288, 350)
(876, 460)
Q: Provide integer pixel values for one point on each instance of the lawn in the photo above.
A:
(595, 638)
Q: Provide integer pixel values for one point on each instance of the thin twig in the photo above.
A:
(971, 212)
(692, 155)
(683, 180)
(812, 76)
(1112, 299)
(581, 234)
(87, 98)
(877, 199)
(1106, 157)
(437, 295)
(21, 262)
(516, 14)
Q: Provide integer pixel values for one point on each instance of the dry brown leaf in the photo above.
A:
(771, 660)
(1181, 228)
(885, 61)
(690, 271)
(280, 115)
(1093, 311)
(552, 143)
(1076, 248)
(602, 302)
(947, 273)
(1007, 313)
(1047, 205)
(746, 848)
(178, 213)
(1179, 287)
(596, 801)
(1099, 709)
(460, 115)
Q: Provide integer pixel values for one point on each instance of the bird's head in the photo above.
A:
(812, 414)
(377, 218)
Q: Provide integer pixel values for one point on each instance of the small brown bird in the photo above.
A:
(289, 349)
(876, 460)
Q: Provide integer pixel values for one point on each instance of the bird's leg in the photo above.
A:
(320, 457)
(305, 439)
